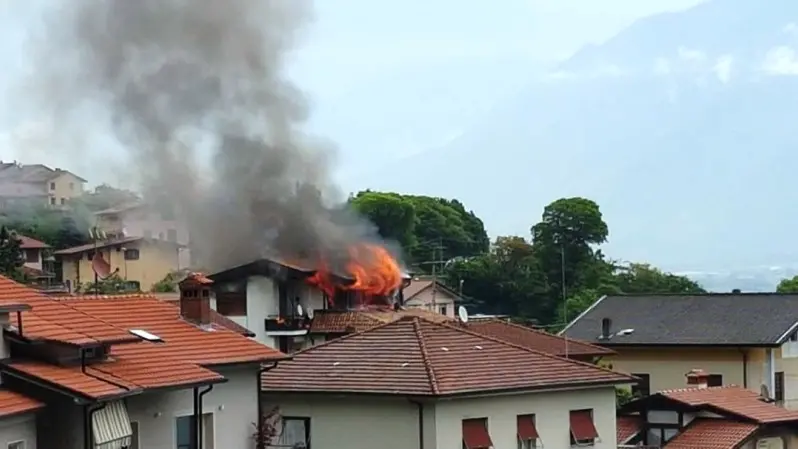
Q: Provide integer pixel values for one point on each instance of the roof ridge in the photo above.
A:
(433, 380)
(533, 351)
(345, 337)
(690, 389)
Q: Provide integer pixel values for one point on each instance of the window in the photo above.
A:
(527, 432)
(132, 254)
(32, 255)
(72, 186)
(134, 439)
(583, 431)
(183, 431)
(52, 186)
(295, 432)
(52, 201)
(63, 201)
(475, 434)
(794, 336)
(715, 380)
(642, 389)
(443, 310)
(16, 445)
(231, 303)
(778, 387)
(90, 255)
(171, 235)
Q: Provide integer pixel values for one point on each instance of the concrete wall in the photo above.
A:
(393, 423)
(18, 428)
(441, 302)
(232, 404)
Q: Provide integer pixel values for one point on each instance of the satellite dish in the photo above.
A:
(299, 310)
(310, 313)
(763, 391)
(463, 314)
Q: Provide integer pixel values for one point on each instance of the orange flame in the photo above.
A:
(374, 271)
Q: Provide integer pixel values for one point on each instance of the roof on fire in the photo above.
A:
(181, 357)
(415, 356)
(737, 319)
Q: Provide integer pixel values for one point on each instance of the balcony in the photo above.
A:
(287, 325)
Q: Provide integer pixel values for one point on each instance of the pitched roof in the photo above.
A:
(739, 319)
(349, 321)
(32, 173)
(179, 359)
(733, 400)
(534, 339)
(627, 427)
(12, 403)
(708, 433)
(109, 243)
(415, 356)
(420, 284)
(30, 243)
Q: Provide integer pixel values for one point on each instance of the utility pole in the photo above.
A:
(437, 256)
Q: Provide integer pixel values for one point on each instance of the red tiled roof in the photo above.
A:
(535, 339)
(414, 356)
(627, 427)
(216, 318)
(346, 322)
(29, 243)
(12, 403)
(734, 400)
(706, 433)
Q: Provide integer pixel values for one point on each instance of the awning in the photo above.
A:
(475, 434)
(526, 428)
(582, 427)
(111, 426)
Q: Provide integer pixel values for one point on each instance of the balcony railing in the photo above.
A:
(287, 324)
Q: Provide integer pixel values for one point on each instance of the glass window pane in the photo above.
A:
(183, 424)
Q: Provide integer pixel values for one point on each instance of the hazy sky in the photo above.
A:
(352, 41)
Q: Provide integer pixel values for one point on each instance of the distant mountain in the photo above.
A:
(682, 127)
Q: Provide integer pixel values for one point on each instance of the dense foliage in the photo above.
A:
(546, 279)
(11, 256)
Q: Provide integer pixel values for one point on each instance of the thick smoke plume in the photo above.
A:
(195, 92)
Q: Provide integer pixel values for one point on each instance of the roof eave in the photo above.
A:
(689, 345)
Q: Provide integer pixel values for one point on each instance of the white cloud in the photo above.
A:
(691, 55)
(723, 68)
(781, 61)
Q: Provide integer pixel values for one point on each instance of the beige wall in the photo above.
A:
(142, 223)
(155, 262)
(443, 302)
(393, 423)
(67, 186)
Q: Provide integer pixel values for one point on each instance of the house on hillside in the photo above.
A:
(37, 184)
(417, 383)
(429, 294)
(136, 219)
(125, 371)
(703, 417)
(140, 261)
(746, 339)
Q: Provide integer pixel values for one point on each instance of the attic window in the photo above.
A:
(144, 335)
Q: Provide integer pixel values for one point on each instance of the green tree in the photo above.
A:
(11, 257)
(788, 285)
(393, 215)
(110, 285)
(641, 278)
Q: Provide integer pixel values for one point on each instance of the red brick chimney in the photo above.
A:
(195, 299)
(697, 378)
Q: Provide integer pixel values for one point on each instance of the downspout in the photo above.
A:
(200, 424)
(195, 420)
(88, 427)
(420, 406)
(262, 370)
(745, 367)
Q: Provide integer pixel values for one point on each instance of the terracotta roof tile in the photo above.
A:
(627, 427)
(535, 339)
(732, 399)
(705, 433)
(12, 403)
(335, 322)
(29, 243)
(71, 378)
(183, 341)
(415, 356)
(217, 319)
(52, 320)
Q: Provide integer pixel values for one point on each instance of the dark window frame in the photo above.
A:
(132, 254)
(643, 388)
(715, 380)
(778, 386)
(32, 255)
(305, 420)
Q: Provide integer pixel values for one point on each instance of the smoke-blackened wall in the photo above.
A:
(195, 92)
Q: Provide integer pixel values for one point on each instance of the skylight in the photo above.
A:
(144, 335)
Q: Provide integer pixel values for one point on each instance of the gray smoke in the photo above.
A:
(195, 92)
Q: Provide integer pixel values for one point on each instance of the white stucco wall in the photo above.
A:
(393, 423)
(262, 301)
(233, 405)
(18, 428)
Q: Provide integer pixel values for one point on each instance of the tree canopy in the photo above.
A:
(11, 258)
(547, 279)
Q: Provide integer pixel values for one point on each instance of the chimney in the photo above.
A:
(697, 378)
(606, 324)
(195, 299)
